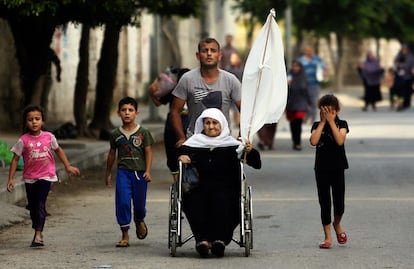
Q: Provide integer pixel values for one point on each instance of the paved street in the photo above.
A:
(82, 231)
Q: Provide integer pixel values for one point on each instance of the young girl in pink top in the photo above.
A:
(39, 171)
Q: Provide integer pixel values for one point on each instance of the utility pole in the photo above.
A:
(154, 55)
(288, 35)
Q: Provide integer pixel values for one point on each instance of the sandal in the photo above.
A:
(202, 248)
(218, 248)
(37, 242)
(325, 245)
(141, 229)
(123, 243)
(342, 238)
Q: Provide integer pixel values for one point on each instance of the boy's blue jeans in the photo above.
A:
(130, 185)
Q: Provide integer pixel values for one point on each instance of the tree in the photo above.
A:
(353, 21)
(349, 20)
(82, 83)
(33, 24)
(254, 12)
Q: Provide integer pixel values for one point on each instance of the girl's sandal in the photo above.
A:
(123, 243)
(342, 238)
(37, 243)
(325, 245)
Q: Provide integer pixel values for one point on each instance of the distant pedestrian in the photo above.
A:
(266, 136)
(297, 103)
(236, 68)
(170, 139)
(404, 71)
(371, 74)
(328, 135)
(315, 70)
(226, 51)
(134, 145)
(37, 146)
(389, 81)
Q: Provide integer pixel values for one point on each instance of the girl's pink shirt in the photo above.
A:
(39, 162)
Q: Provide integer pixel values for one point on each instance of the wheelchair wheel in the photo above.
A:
(173, 249)
(173, 222)
(248, 222)
(247, 243)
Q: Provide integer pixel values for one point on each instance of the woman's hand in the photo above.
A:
(184, 159)
(248, 146)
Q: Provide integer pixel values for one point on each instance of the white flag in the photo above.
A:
(264, 83)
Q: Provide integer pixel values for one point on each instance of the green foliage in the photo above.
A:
(98, 12)
(258, 10)
(354, 19)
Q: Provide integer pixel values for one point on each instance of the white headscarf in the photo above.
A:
(200, 140)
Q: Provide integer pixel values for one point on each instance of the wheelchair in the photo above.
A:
(175, 232)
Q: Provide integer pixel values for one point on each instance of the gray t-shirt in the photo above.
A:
(200, 95)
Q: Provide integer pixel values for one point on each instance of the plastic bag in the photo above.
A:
(6, 156)
(5, 153)
(190, 178)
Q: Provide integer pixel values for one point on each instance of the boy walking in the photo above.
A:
(134, 160)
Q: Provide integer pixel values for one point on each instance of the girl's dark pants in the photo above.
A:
(36, 196)
(296, 131)
(325, 181)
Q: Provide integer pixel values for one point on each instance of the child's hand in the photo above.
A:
(108, 181)
(147, 177)
(72, 170)
(329, 113)
(10, 185)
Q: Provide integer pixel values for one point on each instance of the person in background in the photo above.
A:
(312, 63)
(404, 76)
(266, 136)
(371, 74)
(328, 136)
(36, 146)
(212, 207)
(170, 139)
(236, 68)
(297, 103)
(134, 146)
(389, 83)
(226, 51)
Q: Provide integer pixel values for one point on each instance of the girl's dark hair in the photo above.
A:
(128, 101)
(329, 100)
(31, 108)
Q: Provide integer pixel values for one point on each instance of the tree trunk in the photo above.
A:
(82, 82)
(32, 37)
(171, 45)
(106, 76)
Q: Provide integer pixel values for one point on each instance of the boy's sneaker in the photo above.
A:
(141, 230)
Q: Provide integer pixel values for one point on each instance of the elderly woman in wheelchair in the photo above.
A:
(212, 207)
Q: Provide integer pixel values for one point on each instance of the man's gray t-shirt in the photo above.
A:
(200, 95)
